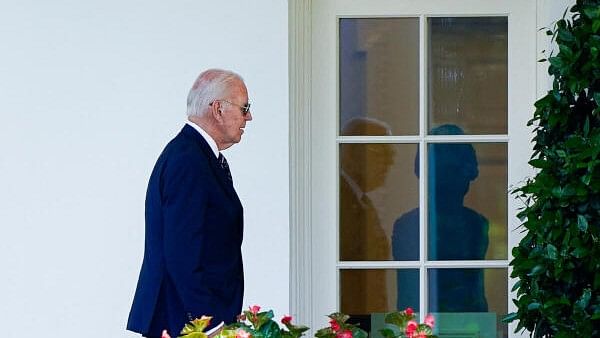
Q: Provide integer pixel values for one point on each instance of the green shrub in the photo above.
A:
(557, 263)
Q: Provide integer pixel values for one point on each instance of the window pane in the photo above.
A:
(366, 294)
(467, 201)
(468, 73)
(377, 184)
(469, 302)
(379, 72)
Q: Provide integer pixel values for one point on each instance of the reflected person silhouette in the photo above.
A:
(363, 168)
(455, 232)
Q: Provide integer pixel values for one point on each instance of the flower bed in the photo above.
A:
(255, 324)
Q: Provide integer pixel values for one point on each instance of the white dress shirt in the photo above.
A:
(211, 142)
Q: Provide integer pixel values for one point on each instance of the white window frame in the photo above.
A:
(307, 276)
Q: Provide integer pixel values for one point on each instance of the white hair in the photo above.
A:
(211, 85)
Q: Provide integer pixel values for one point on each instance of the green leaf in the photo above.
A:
(582, 223)
(566, 51)
(583, 302)
(534, 306)
(565, 35)
(595, 26)
(195, 335)
(556, 62)
(387, 333)
(592, 13)
(586, 179)
(597, 97)
(551, 252)
(537, 270)
(516, 286)
(580, 252)
(510, 317)
(324, 333)
(539, 163)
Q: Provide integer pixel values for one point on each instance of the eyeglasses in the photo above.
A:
(245, 108)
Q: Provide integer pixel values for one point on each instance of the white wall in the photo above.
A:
(90, 92)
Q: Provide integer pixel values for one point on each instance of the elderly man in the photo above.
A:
(194, 220)
(364, 168)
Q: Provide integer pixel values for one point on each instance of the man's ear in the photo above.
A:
(217, 110)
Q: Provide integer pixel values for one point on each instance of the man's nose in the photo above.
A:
(248, 116)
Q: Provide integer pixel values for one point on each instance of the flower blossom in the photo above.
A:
(287, 319)
(335, 326)
(429, 320)
(344, 334)
(411, 327)
(165, 334)
(254, 309)
(409, 311)
(241, 333)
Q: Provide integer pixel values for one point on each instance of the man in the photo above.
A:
(364, 168)
(194, 220)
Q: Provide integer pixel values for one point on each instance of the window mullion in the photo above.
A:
(422, 168)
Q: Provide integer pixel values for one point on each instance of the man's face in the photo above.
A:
(233, 119)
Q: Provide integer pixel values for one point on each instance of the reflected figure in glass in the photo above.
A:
(363, 168)
(455, 232)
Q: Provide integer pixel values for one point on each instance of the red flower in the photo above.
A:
(254, 309)
(429, 320)
(409, 311)
(335, 326)
(287, 320)
(411, 327)
(344, 334)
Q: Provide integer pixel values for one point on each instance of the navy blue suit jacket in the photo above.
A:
(192, 258)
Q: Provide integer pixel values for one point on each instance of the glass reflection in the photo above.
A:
(455, 232)
(369, 198)
(468, 73)
(364, 168)
(367, 305)
(379, 72)
(462, 309)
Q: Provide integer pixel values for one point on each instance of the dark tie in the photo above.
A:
(225, 166)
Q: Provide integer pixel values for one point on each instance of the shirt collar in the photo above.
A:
(358, 193)
(211, 142)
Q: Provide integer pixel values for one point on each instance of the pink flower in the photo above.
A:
(335, 326)
(409, 311)
(344, 334)
(411, 327)
(254, 309)
(287, 319)
(241, 333)
(421, 335)
(165, 334)
(429, 320)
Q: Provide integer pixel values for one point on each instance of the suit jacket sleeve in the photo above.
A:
(185, 198)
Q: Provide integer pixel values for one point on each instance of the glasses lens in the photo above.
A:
(246, 108)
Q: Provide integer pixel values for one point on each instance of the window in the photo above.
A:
(418, 115)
